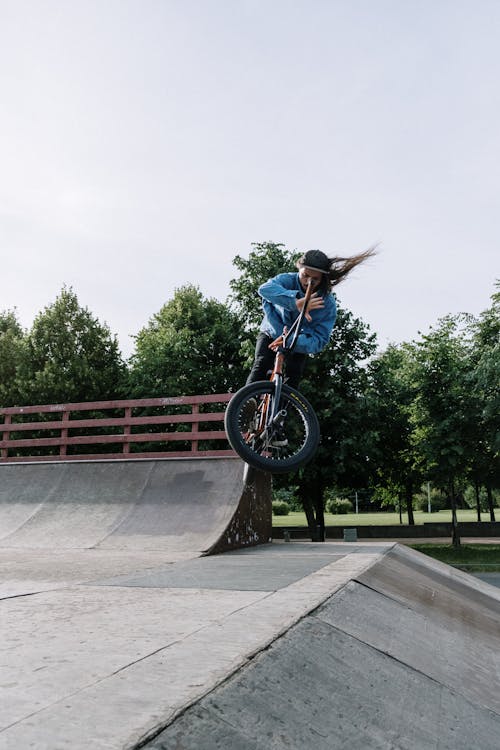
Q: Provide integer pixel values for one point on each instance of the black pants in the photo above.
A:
(264, 363)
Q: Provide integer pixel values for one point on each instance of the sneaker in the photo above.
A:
(279, 440)
(248, 414)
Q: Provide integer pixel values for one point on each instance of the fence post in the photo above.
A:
(195, 409)
(64, 434)
(6, 435)
(127, 430)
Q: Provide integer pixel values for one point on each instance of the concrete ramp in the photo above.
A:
(405, 655)
(183, 507)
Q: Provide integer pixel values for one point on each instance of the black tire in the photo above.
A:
(300, 428)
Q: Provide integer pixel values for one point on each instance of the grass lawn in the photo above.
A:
(476, 558)
(379, 519)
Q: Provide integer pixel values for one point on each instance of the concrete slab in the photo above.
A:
(280, 646)
(24, 572)
(406, 656)
(240, 571)
(108, 666)
(318, 687)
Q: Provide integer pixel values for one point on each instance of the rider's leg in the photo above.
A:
(294, 368)
(263, 363)
(263, 360)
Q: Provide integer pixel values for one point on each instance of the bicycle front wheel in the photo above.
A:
(280, 445)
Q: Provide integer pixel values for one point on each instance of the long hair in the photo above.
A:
(334, 269)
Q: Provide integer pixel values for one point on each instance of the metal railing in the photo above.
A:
(176, 427)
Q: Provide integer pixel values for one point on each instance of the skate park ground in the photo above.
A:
(282, 645)
(116, 645)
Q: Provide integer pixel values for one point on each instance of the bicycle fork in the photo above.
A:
(272, 416)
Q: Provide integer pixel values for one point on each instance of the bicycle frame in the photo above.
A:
(277, 377)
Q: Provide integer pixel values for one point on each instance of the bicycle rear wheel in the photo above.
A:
(277, 447)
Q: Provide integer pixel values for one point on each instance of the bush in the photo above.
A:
(280, 508)
(339, 505)
(384, 498)
(438, 500)
(288, 495)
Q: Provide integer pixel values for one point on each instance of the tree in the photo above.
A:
(441, 409)
(191, 346)
(11, 346)
(484, 393)
(392, 395)
(68, 356)
(336, 383)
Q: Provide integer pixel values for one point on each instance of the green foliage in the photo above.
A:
(438, 500)
(338, 505)
(436, 403)
(68, 356)
(191, 346)
(11, 352)
(471, 501)
(391, 395)
(473, 557)
(287, 495)
(440, 411)
(455, 413)
(335, 381)
(484, 396)
(385, 497)
(280, 508)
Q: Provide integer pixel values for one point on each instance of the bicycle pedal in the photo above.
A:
(278, 442)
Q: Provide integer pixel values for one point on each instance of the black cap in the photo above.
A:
(316, 260)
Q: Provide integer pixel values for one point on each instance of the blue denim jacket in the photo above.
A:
(278, 300)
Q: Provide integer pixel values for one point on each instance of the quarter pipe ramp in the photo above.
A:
(183, 507)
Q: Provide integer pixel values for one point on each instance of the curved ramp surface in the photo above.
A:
(183, 507)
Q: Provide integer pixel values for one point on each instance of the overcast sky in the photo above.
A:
(145, 143)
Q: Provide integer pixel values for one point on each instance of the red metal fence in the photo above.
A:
(184, 426)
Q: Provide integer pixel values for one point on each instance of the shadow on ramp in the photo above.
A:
(183, 507)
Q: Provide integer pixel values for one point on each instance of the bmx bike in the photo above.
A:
(270, 425)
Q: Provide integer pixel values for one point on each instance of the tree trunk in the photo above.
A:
(478, 500)
(309, 511)
(409, 502)
(400, 507)
(320, 517)
(455, 534)
(490, 503)
(311, 495)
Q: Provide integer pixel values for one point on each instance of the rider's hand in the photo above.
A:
(275, 345)
(315, 303)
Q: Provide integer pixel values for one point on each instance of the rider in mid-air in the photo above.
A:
(283, 297)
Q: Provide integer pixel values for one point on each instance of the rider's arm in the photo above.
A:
(281, 291)
(316, 335)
